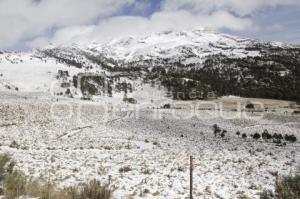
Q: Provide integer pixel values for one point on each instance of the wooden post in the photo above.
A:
(191, 177)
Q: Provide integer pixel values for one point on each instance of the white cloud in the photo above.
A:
(133, 25)
(36, 23)
(240, 7)
(20, 19)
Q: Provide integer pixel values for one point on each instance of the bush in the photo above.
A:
(15, 184)
(256, 136)
(14, 144)
(288, 187)
(249, 106)
(266, 135)
(6, 166)
(94, 190)
(290, 138)
(130, 100)
(124, 169)
(217, 130)
(277, 136)
(296, 112)
(167, 106)
(223, 133)
(266, 194)
(277, 141)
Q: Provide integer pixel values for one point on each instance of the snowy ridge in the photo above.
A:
(191, 47)
(170, 50)
(173, 44)
(185, 47)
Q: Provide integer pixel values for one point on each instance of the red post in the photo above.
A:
(191, 177)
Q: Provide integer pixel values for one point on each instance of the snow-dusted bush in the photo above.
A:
(223, 133)
(277, 136)
(266, 135)
(266, 194)
(6, 166)
(14, 144)
(15, 185)
(288, 187)
(130, 100)
(95, 190)
(125, 169)
(217, 130)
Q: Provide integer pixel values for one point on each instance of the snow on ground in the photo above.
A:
(28, 73)
(72, 141)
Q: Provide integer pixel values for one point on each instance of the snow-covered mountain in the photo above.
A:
(185, 47)
(179, 61)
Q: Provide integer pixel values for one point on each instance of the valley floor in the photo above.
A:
(144, 153)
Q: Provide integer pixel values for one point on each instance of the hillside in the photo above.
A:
(185, 65)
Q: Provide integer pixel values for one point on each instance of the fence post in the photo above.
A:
(191, 177)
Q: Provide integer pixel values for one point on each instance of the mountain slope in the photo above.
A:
(185, 47)
(180, 63)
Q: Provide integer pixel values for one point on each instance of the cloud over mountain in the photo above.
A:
(34, 23)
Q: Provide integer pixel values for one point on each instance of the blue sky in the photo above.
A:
(27, 24)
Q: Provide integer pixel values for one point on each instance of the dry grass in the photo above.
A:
(15, 184)
(288, 187)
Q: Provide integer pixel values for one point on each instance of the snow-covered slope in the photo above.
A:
(203, 57)
(28, 73)
(185, 46)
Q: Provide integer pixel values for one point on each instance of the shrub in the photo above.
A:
(277, 141)
(14, 144)
(216, 129)
(14, 185)
(238, 133)
(288, 187)
(266, 194)
(167, 106)
(6, 166)
(124, 169)
(296, 112)
(249, 106)
(244, 197)
(266, 135)
(223, 133)
(290, 138)
(256, 136)
(155, 143)
(94, 190)
(277, 136)
(244, 135)
(130, 100)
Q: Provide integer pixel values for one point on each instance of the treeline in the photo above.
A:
(100, 84)
(275, 75)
